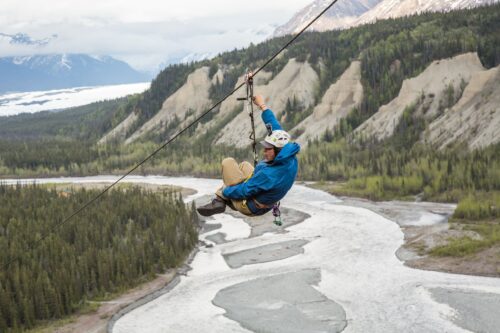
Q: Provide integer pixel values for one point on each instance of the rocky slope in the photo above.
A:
(119, 132)
(296, 79)
(426, 93)
(185, 104)
(337, 102)
(457, 97)
(475, 119)
(230, 105)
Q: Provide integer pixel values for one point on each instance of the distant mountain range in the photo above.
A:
(351, 13)
(58, 71)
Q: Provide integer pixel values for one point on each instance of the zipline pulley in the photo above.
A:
(249, 108)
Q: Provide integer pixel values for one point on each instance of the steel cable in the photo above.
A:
(36, 243)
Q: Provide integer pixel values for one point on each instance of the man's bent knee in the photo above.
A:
(247, 169)
(231, 174)
(228, 160)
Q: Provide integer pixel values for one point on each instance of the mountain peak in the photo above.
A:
(350, 13)
(25, 39)
(339, 16)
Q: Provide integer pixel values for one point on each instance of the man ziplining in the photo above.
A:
(254, 192)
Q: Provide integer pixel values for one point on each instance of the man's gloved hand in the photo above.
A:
(259, 101)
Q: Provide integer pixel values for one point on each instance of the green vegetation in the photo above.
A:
(478, 206)
(294, 113)
(464, 246)
(122, 239)
(387, 172)
(478, 212)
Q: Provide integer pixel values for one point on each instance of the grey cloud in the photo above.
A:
(145, 45)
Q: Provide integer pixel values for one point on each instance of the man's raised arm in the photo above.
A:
(268, 116)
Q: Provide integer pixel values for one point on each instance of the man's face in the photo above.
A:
(269, 154)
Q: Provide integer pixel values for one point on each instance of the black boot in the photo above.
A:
(230, 204)
(217, 206)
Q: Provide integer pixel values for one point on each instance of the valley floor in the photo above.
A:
(331, 255)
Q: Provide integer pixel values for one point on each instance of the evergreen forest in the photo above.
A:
(126, 237)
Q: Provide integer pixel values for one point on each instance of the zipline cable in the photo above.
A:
(57, 225)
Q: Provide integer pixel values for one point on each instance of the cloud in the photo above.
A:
(144, 33)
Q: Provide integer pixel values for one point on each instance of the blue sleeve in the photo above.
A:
(269, 118)
(249, 189)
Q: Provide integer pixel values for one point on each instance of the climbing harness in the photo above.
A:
(249, 108)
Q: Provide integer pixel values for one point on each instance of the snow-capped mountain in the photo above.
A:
(341, 15)
(350, 13)
(398, 8)
(58, 71)
(24, 39)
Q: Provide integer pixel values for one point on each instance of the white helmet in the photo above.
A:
(276, 139)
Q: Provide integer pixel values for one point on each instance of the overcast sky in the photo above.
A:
(145, 33)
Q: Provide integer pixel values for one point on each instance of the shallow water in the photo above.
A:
(352, 248)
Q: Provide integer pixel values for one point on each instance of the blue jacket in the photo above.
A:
(270, 180)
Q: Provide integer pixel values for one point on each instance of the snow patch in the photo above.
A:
(36, 101)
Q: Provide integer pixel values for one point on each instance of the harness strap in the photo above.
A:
(260, 205)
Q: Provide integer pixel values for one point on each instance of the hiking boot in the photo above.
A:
(230, 204)
(217, 206)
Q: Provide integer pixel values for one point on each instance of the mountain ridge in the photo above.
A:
(381, 64)
(352, 13)
(59, 71)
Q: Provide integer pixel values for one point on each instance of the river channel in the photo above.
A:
(334, 269)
